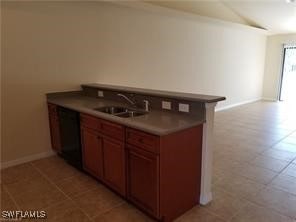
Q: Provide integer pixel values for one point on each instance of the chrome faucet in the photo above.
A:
(127, 99)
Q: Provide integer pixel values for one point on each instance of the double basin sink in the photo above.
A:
(120, 111)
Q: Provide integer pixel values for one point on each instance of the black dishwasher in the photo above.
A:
(70, 136)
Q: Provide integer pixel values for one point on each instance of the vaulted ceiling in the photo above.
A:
(276, 16)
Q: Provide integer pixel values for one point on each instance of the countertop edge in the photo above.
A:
(150, 92)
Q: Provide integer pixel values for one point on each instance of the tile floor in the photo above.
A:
(254, 176)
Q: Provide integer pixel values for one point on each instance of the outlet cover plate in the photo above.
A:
(166, 105)
(100, 93)
(184, 107)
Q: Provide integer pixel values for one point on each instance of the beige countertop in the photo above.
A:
(155, 122)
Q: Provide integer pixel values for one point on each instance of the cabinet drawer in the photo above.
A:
(112, 129)
(143, 140)
(89, 122)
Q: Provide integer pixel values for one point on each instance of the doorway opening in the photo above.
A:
(288, 80)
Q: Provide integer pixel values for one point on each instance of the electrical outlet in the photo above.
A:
(166, 105)
(184, 107)
(100, 93)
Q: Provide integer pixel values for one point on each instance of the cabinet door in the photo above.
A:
(55, 132)
(143, 180)
(91, 152)
(114, 164)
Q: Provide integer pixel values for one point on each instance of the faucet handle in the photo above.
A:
(146, 105)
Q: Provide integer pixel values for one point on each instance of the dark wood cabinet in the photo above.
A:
(103, 155)
(143, 179)
(159, 174)
(54, 127)
(114, 164)
(92, 152)
(163, 172)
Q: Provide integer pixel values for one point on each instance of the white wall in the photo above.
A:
(273, 63)
(57, 46)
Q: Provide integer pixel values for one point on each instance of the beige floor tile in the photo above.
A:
(285, 147)
(259, 141)
(258, 174)
(236, 154)
(286, 183)
(35, 194)
(65, 211)
(294, 133)
(38, 184)
(48, 162)
(55, 168)
(239, 186)
(278, 131)
(254, 213)
(279, 154)
(256, 149)
(216, 178)
(225, 205)
(199, 214)
(6, 201)
(31, 201)
(77, 184)
(290, 170)
(270, 163)
(221, 172)
(227, 165)
(98, 201)
(17, 173)
(290, 139)
(278, 200)
(289, 124)
(124, 213)
(268, 136)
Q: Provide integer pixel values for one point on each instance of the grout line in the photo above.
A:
(237, 213)
(256, 203)
(248, 178)
(66, 195)
(70, 198)
(273, 178)
(283, 138)
(277, 172)
(11, 197)
(208, 211)
(289, 161)
(266, 186)
(108, 210)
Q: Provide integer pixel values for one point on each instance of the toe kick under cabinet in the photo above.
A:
(159, 174)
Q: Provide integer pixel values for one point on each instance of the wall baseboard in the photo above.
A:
(26, 159)
(206, 198)
(237, 104)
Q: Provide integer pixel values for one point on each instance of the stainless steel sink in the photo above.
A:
(131, 113)
(120, 111)
(112, 109)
